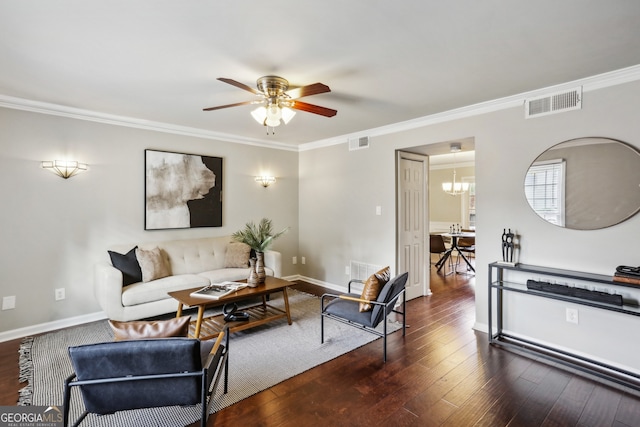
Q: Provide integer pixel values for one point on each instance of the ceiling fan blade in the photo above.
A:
(315, 109)
(308, 90)
(240, 85)
(228, 105)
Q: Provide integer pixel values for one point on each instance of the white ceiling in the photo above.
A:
(385, 61)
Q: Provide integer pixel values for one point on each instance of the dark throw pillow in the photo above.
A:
(128, 264)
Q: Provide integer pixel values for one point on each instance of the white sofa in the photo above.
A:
(193, 263)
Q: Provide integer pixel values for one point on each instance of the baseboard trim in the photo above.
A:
(332, 286)
(51, 326)
(481, 327)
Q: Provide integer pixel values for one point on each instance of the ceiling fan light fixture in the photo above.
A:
(259, 114)
(287, 114)
(274, 114)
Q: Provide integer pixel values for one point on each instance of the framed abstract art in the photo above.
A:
(182, 190)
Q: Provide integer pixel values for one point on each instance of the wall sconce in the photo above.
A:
(265, 180)
(64, 168)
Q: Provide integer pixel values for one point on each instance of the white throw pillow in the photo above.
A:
(153, 264)
(237, 255)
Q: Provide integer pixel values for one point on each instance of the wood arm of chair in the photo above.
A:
(331, 297)
(215, 363)
(350, 298)
(218, 342)
(211, 357)
(380, 303)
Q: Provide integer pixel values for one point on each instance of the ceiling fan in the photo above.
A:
(276, 104)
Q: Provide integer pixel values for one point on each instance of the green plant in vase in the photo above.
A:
(259, 238)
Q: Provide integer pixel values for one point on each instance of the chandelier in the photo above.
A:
(455, 188)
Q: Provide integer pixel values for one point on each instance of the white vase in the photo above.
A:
(262, 275)
(252, 280)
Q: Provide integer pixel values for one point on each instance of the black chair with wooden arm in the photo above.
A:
(438, 247)
(345, 308)
(147, 373)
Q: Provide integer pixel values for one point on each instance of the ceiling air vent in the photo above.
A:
(553, 103)
(358, 143)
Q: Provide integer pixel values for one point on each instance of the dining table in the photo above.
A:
(454, 247)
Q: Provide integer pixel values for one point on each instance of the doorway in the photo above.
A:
(412, 221)
(412, 256)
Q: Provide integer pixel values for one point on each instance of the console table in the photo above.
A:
(498, 286)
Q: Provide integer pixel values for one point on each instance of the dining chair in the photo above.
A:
(467, 245)
(438, 247)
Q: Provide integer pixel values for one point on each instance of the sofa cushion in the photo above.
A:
(176, 327)
(153, 264)
(128, 265)
(156, 290)
(229, 274)
(344, 308)
(372, 287)
(194, 255)
(237, 255)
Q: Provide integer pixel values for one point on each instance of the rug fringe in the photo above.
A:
(26, 372)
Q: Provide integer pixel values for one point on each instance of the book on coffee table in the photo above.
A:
(218, 290)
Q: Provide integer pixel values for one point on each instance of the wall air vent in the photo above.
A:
(358, 143)
(362, 270)
(553, 103)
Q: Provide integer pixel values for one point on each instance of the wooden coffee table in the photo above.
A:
(208, 327)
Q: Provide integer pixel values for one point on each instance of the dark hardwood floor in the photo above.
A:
(441, 374)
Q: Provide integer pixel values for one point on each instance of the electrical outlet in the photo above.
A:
(59, 294)
(347, 270)
(294, 260)
(9, 303)
(572, 315)
(304, 260)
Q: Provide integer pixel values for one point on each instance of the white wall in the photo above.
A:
(338, 220)
(338, 189)
(54, 230)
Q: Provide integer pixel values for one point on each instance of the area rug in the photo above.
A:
(259, 358)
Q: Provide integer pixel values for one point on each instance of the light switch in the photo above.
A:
(9, 303)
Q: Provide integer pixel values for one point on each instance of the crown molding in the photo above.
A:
(112, 119)
(600, 81)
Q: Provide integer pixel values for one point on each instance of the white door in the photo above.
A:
(412, 222)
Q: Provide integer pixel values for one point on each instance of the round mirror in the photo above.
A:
(585, 183)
